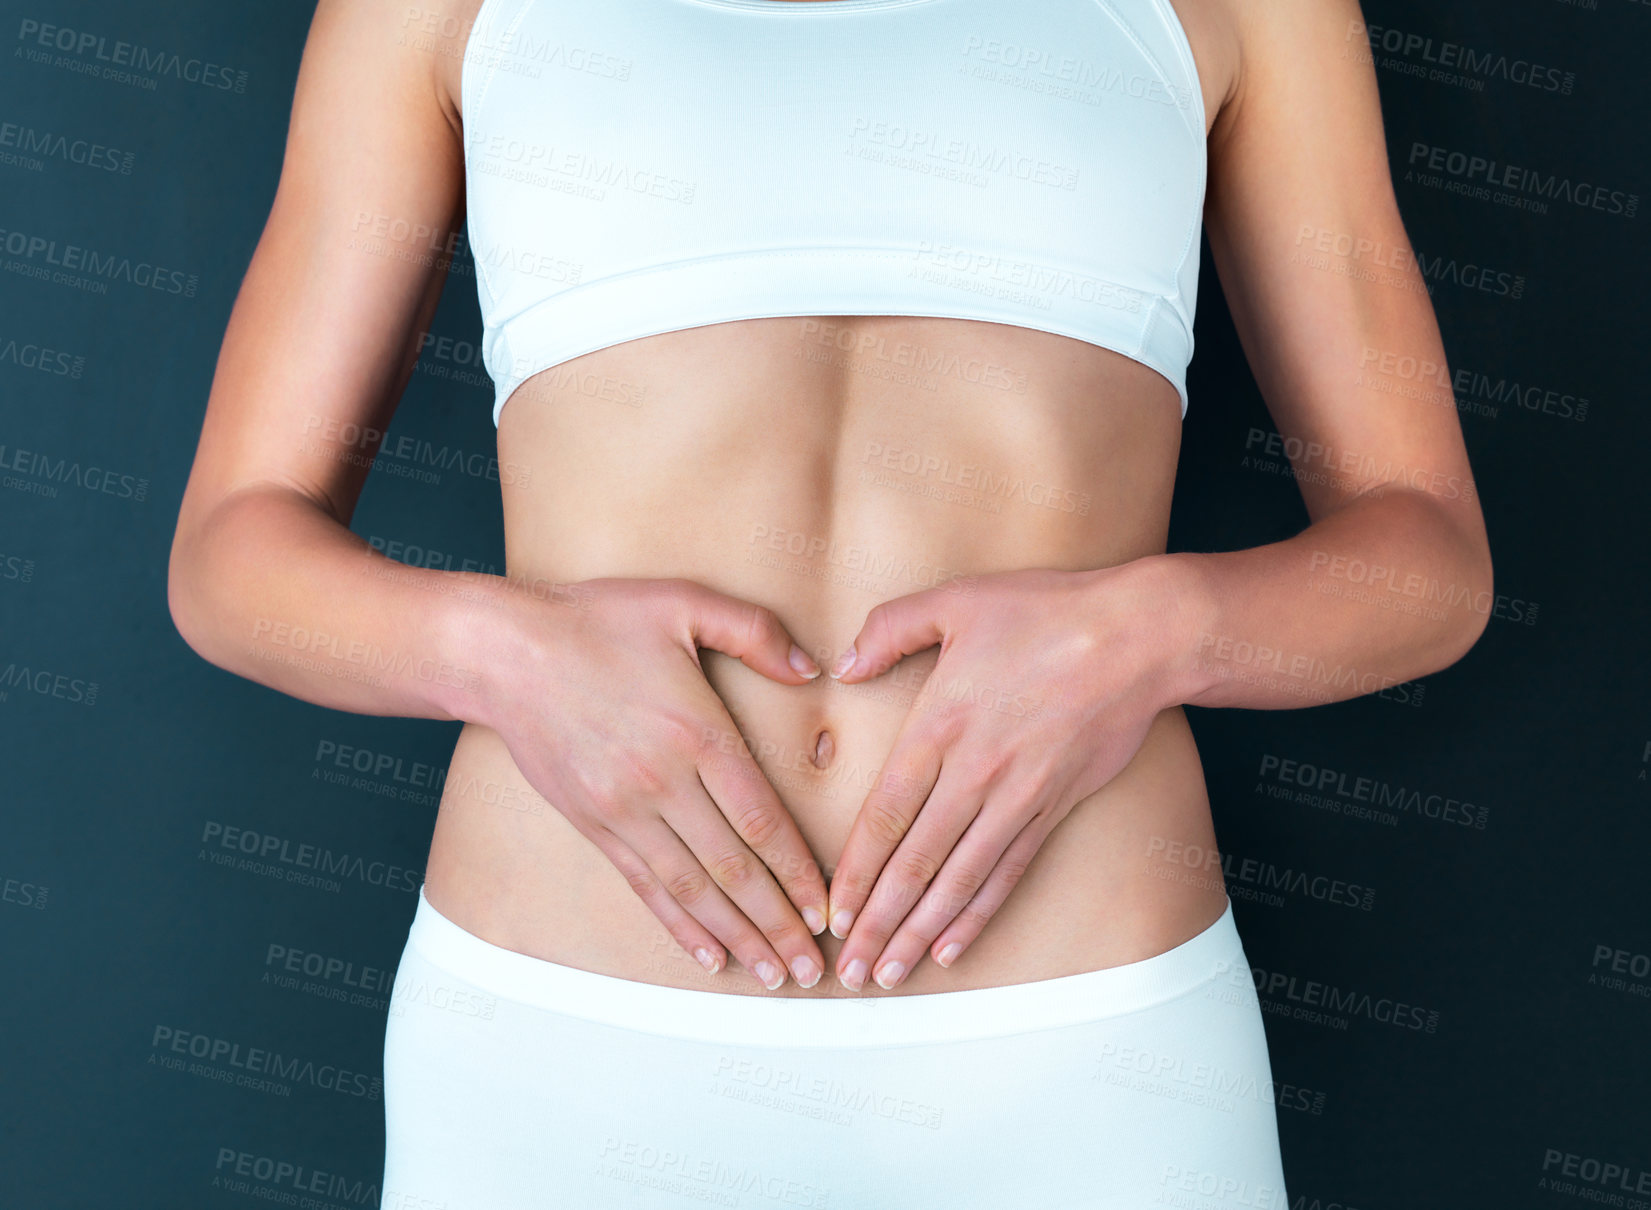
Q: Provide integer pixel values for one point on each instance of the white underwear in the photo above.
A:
(511, 1082)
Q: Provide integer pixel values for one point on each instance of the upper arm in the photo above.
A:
(1317, 269)
(325, 330)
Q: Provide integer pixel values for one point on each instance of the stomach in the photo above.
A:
(818, 466)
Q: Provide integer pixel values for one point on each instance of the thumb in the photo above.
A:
(891, 631)
(750, 633)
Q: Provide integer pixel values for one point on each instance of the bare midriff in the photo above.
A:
(819, 466)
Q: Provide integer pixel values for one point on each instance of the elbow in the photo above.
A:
(1459, 588)
(213, 546)
(189, 599)
(1474, 602)
(179, 590)
(193, 581)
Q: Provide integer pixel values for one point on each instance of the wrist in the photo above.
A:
(1175, 613)
(482, 631)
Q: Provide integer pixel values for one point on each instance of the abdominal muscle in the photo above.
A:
(819, 466)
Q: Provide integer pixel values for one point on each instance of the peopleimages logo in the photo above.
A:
(259, 1065)
(42, 474)
(1055, 73)
(44, 682)
(255, 849)
(1451, 57)
(88, 264)
(25, 144)
(376, 764)
(1477, 169)
(1606, 1174)
(1324, 1003)
(286, 1176)
(89, 50)
(1442, 808)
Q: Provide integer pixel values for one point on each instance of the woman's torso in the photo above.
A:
(820, 465)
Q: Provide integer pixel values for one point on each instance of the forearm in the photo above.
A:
(1391, 587)
(272, 587)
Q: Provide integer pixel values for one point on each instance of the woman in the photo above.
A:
(845, 335)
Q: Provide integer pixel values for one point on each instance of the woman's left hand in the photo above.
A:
(1044, 689)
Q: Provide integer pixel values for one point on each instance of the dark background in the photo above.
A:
(1516, 945)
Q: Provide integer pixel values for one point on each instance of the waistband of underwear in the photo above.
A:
(791, 1021)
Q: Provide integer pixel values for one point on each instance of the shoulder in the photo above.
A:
(415, 48)
(1277, 48)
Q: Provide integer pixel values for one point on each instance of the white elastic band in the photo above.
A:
(886, 1020)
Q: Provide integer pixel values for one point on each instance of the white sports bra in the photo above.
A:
(642, 166)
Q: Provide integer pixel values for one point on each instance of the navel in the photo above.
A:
(823, 748)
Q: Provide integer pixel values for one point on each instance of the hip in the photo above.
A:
(509, 1080)
(1132, 871)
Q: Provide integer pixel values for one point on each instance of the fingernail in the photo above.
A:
(804, 969)
(949, 954)
(815, 921)
(890, 974)
(854, 975)
(844, 663)
(841, 921)
(706, 959)
(769, 974)
(804, 666)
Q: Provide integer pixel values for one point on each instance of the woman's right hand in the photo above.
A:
(607, 713)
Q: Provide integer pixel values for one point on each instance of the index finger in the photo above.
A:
(884, 819)
(748, 801)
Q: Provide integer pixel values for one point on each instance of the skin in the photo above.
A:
(1003, 788)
